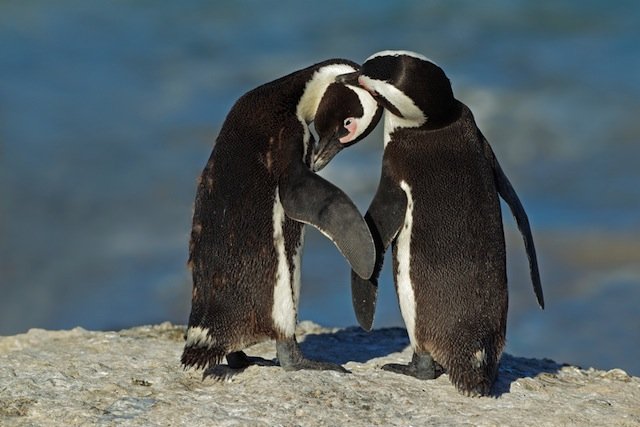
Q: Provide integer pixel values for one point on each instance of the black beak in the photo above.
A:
(325, 150)
(349, 78)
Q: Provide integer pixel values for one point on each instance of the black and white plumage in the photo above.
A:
(437, 204)
(253, 198)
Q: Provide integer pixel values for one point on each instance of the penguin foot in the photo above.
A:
(237, 361)
(291, 358)
(422, 366)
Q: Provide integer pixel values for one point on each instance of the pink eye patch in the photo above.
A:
(351, 125)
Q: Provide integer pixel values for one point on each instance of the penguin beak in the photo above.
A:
(349, 78)
(326, 149)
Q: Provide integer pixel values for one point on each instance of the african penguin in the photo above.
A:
(437, 204)
(253, 198)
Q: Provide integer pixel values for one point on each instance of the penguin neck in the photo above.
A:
(315, 88)
(442, 114)
(434, 123)
(393, 122)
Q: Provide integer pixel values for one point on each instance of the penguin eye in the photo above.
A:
(347, 122)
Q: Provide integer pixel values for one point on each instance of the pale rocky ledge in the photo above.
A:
(133, 377)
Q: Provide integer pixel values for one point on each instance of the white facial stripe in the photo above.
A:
(389, 127)
(402, 102)
(399, 53)
(306, 138)
(413, 116)
(315, 88)
(406, 295)
(283, 311)
(369, 106)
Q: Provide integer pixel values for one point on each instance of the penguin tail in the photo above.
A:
(473, 366)
(201, 349)
(201, 357)
(475, 375)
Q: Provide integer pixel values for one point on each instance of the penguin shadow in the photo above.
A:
(224, 372)
(513, 368)
(354, 344)
(347, 345)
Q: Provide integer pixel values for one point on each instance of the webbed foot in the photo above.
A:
(422, 366)
(237, 361)
(291, 358)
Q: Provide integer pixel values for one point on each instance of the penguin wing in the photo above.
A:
(384, 218)
(508, 194)
(309, 198)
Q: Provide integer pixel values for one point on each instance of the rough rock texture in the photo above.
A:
(133, 377)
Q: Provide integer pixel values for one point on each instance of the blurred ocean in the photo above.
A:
(108, 113)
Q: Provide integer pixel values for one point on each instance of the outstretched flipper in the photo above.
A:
(384, 218)
(309, 198)
(509, 195)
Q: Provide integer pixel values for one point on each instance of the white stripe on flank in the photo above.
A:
(198, 337)
(296, 271)
(479, 359)
(283, 310)
(406, 296)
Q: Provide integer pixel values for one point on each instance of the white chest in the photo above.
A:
(406, 295)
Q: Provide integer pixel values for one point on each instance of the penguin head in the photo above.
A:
(345, 115)
(410, 86)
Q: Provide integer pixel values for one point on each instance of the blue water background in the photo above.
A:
(109, 109)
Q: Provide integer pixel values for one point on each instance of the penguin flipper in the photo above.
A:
(508, 194)
(310, 199)
(384, 218)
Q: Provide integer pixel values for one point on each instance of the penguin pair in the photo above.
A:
(254, 196)
(437, 204)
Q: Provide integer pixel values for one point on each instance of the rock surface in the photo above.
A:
(133, 377)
